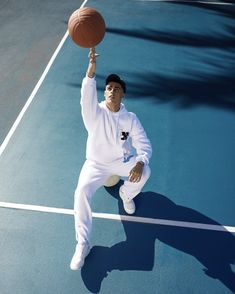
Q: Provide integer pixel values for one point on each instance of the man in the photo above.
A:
(112, 134)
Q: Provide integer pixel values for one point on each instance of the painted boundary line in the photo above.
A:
(117, 217)
(34, 92)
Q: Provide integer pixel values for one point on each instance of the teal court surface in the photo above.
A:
(178, 60)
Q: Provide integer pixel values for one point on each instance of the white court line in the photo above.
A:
(34, 92)
(191, 1)
(118, 217)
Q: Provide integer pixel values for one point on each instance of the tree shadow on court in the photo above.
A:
(210, 81)
(178, 38)
(215, 250)
(193, 90)
(224, 10)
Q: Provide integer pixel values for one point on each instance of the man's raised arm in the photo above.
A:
(92, 63)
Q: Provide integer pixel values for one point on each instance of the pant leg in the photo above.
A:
(131, 189)
(91, 178)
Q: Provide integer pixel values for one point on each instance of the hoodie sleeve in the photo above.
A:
(140, 142)
(89, 102)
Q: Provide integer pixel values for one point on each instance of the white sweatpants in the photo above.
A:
(92, 177)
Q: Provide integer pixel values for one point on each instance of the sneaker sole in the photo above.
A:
(126, 210)
(129, 211)
(75, 268)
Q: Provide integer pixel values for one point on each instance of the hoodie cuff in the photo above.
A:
(87, 78)
(142, 158)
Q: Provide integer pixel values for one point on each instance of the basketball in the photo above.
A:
(112, 181)
(86, 27)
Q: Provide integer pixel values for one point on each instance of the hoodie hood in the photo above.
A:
(122, 109)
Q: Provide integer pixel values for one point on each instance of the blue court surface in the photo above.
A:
(178, 60)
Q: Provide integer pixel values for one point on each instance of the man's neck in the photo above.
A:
(113, 108)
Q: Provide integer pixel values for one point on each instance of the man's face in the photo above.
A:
(113, 94)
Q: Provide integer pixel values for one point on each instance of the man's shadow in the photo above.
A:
(215, 250)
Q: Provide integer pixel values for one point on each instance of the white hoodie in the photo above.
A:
(111, 135)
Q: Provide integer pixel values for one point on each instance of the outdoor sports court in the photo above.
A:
(178, 60)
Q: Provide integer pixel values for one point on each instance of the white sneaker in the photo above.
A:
(129, 206)
(81, 252)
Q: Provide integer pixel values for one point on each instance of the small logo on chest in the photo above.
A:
(124, 135)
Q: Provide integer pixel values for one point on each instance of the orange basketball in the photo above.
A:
(86, 27)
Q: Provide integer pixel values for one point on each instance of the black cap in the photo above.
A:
(115, 78)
